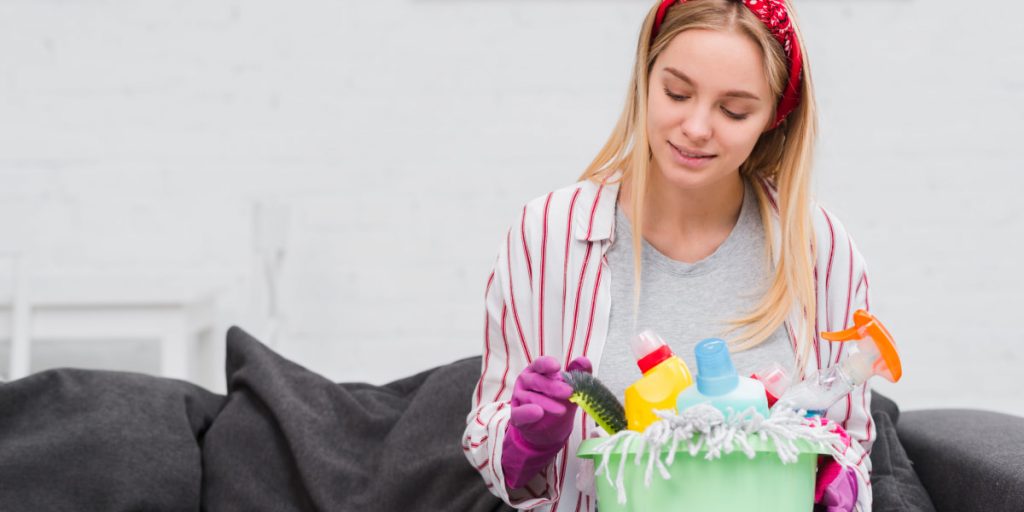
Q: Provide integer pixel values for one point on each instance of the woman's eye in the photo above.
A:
(676, 97)
(682, 97)
(738, 117)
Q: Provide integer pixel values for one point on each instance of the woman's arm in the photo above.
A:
(843, 283)
(507, 351)
(854, 413)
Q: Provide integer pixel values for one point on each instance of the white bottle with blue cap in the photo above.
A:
(718, 383)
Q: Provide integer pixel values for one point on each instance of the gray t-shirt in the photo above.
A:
(688, 302)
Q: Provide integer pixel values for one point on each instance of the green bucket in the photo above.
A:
(729, 483)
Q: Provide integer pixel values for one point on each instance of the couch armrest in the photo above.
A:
(967, 459)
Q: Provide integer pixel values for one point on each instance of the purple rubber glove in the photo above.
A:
(541, 421)
(835, 489)
(839, 495)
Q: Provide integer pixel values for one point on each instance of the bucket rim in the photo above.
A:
(588, 448)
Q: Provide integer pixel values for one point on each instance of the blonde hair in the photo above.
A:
(781, 159)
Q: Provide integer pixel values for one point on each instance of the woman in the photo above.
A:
(695, 220)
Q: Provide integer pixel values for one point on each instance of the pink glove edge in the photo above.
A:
(826, 475)
(521, 460)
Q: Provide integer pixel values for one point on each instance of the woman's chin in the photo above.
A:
(685, 178)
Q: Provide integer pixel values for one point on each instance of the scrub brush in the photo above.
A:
(596, 400)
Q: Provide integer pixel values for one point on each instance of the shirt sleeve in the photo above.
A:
(506, 352)
(849, 292)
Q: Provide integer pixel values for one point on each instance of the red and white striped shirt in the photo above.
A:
(549, 294)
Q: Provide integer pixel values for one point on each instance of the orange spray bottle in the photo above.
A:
(665, 376)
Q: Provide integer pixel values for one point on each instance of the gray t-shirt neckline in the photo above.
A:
(657, 259)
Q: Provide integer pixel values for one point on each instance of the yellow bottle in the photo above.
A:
(665, 376)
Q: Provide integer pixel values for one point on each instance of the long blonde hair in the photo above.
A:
(781, 159)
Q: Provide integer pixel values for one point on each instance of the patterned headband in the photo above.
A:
(774, 16)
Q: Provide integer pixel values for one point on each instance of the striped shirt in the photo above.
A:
(548, 294)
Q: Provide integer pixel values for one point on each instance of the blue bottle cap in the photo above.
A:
(716, 374)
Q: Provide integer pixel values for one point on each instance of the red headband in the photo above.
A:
(774, 16)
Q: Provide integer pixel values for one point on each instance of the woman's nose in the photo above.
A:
(697, 124)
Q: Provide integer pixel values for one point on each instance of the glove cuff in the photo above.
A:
(521, 460)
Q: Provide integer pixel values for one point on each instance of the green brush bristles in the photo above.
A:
(596, 400)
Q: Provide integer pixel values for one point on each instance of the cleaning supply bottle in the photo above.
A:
(665, 375)
(870, 351)
(775, 380)
(718, 383)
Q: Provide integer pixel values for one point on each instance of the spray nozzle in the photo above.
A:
(872, 351)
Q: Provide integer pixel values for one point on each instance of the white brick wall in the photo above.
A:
(137, 136)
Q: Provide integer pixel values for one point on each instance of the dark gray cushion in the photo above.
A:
(967, 459)
(88, 440)
(291, 440)
(882, 403)
(894, 482)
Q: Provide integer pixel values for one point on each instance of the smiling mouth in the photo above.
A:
(690, 154)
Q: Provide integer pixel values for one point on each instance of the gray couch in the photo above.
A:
(287, 439)
(966, 459)
(946, 459)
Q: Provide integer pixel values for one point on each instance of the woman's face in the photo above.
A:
(707, 104)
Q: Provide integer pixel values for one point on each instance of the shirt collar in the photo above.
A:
(594, 209)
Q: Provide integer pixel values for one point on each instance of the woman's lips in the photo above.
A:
(692, 160)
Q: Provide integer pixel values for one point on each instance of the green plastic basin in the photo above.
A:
(729, 484)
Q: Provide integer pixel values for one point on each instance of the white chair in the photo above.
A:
(88, 307)
(177, 312)
(17, 317)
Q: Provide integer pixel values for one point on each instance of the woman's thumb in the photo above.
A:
(526, 414)
(580, 364)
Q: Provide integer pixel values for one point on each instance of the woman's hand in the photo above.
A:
(541, 409)
(541, 418)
